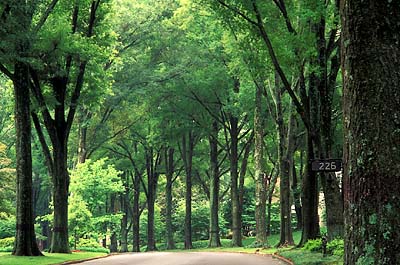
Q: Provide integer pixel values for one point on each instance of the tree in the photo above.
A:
(17, 19)
(371, 76)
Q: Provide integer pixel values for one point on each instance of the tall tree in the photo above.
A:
(214, 238)
(17, 19)
(65, 76)
(260, 175)
(371, 75)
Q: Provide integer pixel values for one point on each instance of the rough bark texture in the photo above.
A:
(260, 176)
(284, 154)
(214, 240)
(371, 75)
(25, 239)
(59, 241)
(169, 160)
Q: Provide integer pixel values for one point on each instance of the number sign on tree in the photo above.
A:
(326, 165)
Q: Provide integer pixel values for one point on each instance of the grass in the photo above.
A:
(48, 258)
(305, 257)
(298, 256)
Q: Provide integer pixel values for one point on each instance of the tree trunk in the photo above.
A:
(136, 213)
(309, 198)
(187, 155)
(59, 241)
(371, 77)
(286, 237)
(124, 199)
(297, 199)
(214, 240)
(25, 239)
(234, 160)
(329, 183)
(260, 176)
(169, 160)
(151, 198)
(113, 238)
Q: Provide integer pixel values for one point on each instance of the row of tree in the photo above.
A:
(218, 96)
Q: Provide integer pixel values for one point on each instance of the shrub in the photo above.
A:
(313, 245)
(7, 242)
(7, 249)
(336, 247)
(96, 249)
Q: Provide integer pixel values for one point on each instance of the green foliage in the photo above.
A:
(7, 227)
(95, 249)
(336, 247)
(305, 257)
(313, 245)
(49, 258)
(7, 242)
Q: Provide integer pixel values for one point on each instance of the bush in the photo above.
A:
(7, 249)
(313, 245)
(7, 227)
(336, 247)
(96, 249)
(7, 242)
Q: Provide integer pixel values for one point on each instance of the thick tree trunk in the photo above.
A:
(371, 75)
(169, 160)
(309, 199)
(59, 241)
(260, 176)
(284, 155)
(214, 240)
(25, 239)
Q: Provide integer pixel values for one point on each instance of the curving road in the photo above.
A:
(186, 258)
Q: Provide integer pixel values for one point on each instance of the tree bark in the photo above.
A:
(284, 154)
(169, 160)
(260, 176)
(187, 155)
(371, 77)
(136, 213)
(297, 199)
(214, 240)
(124, 200)
(25, 238)
(234, 161)
(309, 198)
(151, 198)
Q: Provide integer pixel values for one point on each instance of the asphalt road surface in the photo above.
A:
(186, 258)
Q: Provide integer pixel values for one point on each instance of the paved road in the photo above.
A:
(186, 258)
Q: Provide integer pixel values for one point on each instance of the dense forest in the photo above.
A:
(140, 125)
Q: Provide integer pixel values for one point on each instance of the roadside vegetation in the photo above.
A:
(48, 258)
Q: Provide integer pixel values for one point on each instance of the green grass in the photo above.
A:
(305, 257)
(298, 256)
(49, 258)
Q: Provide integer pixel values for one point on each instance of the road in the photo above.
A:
(186, 258)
